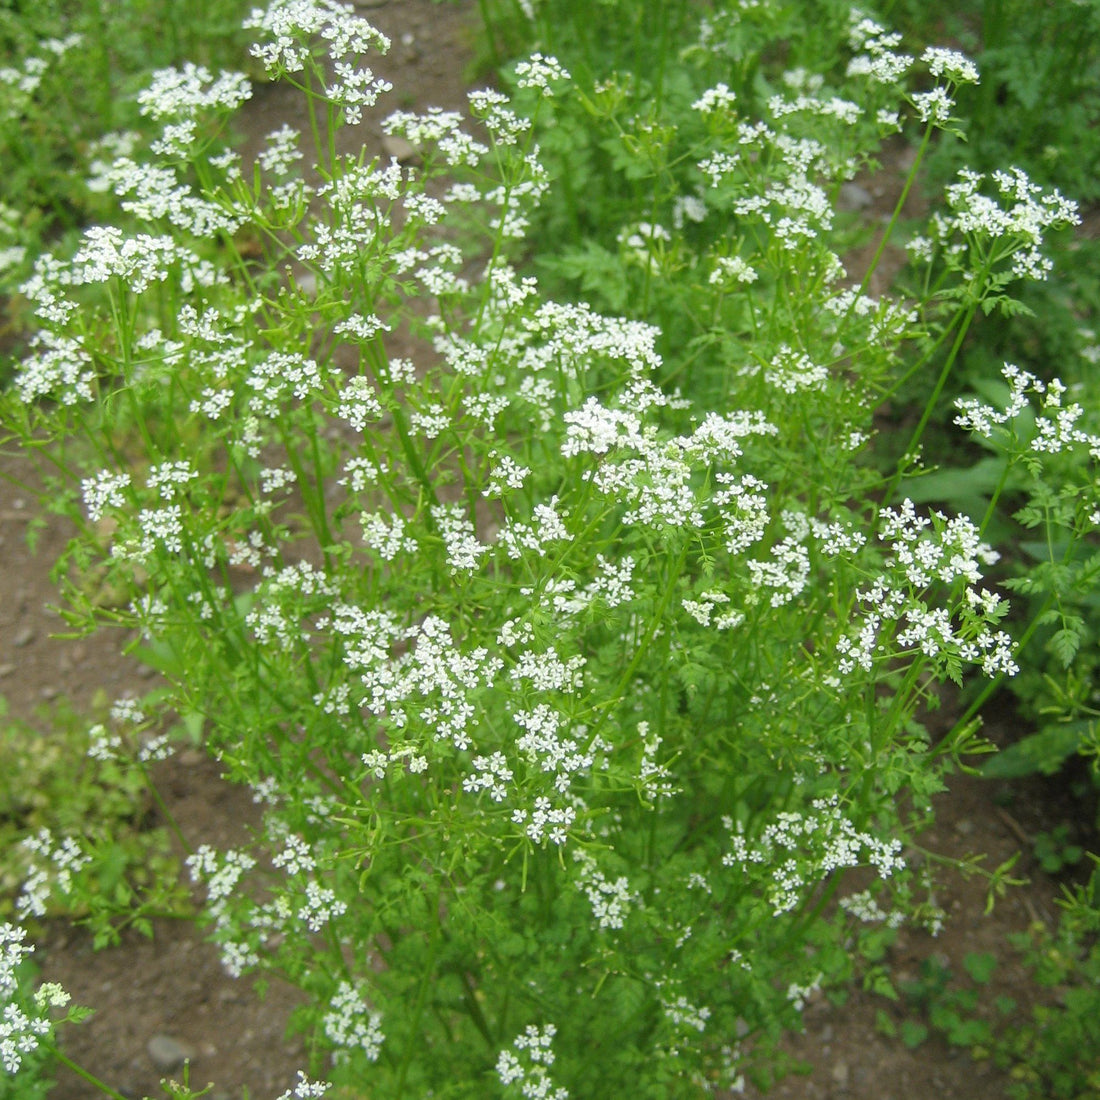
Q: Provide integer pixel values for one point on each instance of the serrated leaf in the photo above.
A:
(1064, 645)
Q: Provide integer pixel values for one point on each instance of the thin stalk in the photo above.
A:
(490, 38)
(426, 980)
(105, 94)
(642, 648)
(995, 497)
(932, 402)
(81, 1072)
(411, 455)
(473, 1009)
(889, 231)
(169, 817)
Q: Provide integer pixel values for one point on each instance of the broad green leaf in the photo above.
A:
(1041, 753)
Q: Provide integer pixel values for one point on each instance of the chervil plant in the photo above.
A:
(28, 1022)
(65, 778)
(575, 667)
(68, 74)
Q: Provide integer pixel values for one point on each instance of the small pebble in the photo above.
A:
(23, 636)
(398, 147)
(853, 197)
(168, 1054)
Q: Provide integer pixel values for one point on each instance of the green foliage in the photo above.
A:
(70, 76)
(1054, 1054)
(1042, 753)
(1039, 99)
(34, 1078)
(1056, 851)
(947, 1008)
(576, 664)
(1051, 1054)
(51, 788)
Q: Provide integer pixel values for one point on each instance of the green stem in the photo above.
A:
(85, 1075)
(642, 649)
(469, 998)
(920, 362)
(490, 38)
(933, 400)
(411, 454)
(995, 497)
(889, 231)
(426, 980)
(169, 817)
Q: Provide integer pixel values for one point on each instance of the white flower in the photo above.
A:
(955, 66)
(717, 166)
(21, 1032)
(533, 1077)
(305, 1089)
(287, 29)
(281, 151)
(493, 775)
(463, 549)
(610, 901)
(320, 906)
(358, 403)
(713, 99)
(729, 269)
(182, 93)
(350, 1025)
(539, 72)
(167, 475)
(934, 106)
(104, 490)
(684, 1014)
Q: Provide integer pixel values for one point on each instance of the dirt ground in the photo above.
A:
(173, 986)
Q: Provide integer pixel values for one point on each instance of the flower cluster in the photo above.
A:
(182, 96)
(305, 1089)
(797, 850)
(986, 229)
(926, 551)
(53, 863)
(610, 901)
(19, 84)
(1056, 422)
(24, 1021)
(530, 1070)
(350, 1026)
(286, 29)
